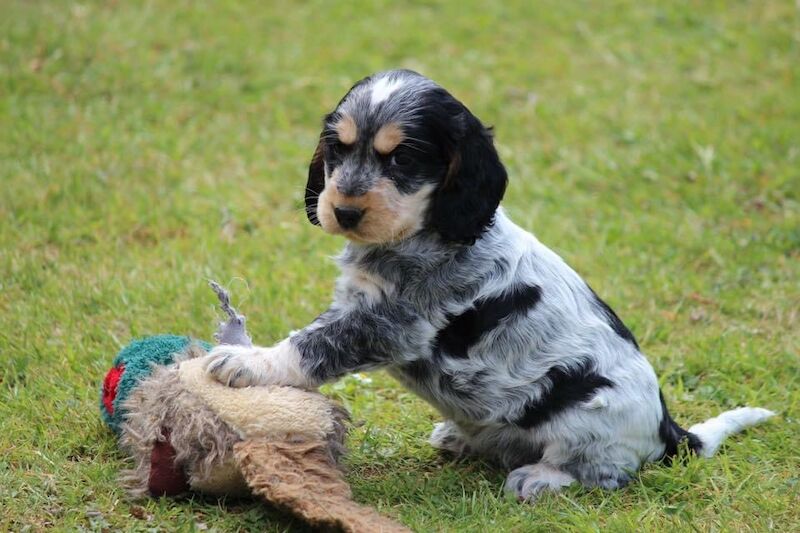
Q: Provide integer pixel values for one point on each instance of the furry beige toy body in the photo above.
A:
(185, 431)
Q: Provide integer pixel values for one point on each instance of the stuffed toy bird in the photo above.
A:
(187, 432)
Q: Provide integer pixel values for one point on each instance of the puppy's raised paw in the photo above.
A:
(238, 366)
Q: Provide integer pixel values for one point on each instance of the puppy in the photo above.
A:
(527, 365)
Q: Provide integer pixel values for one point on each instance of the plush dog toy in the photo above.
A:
(187, 432)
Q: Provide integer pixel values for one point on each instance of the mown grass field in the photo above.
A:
(148, 146)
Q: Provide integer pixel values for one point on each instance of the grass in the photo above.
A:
(147, 146)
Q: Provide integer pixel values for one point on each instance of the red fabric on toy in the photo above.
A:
(110, 384)
(166, 478)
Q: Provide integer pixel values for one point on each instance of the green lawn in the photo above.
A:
(148, 146)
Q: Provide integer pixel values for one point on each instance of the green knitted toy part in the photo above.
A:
(134, 363)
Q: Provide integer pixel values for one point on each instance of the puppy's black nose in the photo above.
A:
(348, 217)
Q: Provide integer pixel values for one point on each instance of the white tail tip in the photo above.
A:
(713, 431)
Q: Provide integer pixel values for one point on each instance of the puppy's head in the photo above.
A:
(400, 155)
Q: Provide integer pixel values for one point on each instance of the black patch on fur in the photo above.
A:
(463, 206)
(672, 434)
(569, 386)
(614, 321)
(419, 370)
(466, 329)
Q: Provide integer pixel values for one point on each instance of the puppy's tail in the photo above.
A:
(713, 431)
(705, 438)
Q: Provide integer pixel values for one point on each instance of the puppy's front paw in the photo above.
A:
(528, 482)
(447, 437)
(238, 366)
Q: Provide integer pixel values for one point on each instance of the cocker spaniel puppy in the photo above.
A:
(527, 365)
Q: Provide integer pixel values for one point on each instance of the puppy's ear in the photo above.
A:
(464, 204)
(315, 184)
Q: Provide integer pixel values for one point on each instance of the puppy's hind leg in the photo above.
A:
(446, 436)
(528, 482)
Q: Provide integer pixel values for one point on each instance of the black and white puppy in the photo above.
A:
(528, 366)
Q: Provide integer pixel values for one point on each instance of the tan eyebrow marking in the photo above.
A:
(346, 129)
(388, 137)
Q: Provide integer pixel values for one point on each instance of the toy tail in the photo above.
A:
(714, 430)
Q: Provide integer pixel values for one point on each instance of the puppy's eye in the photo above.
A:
(338, 148)
(400, 159)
